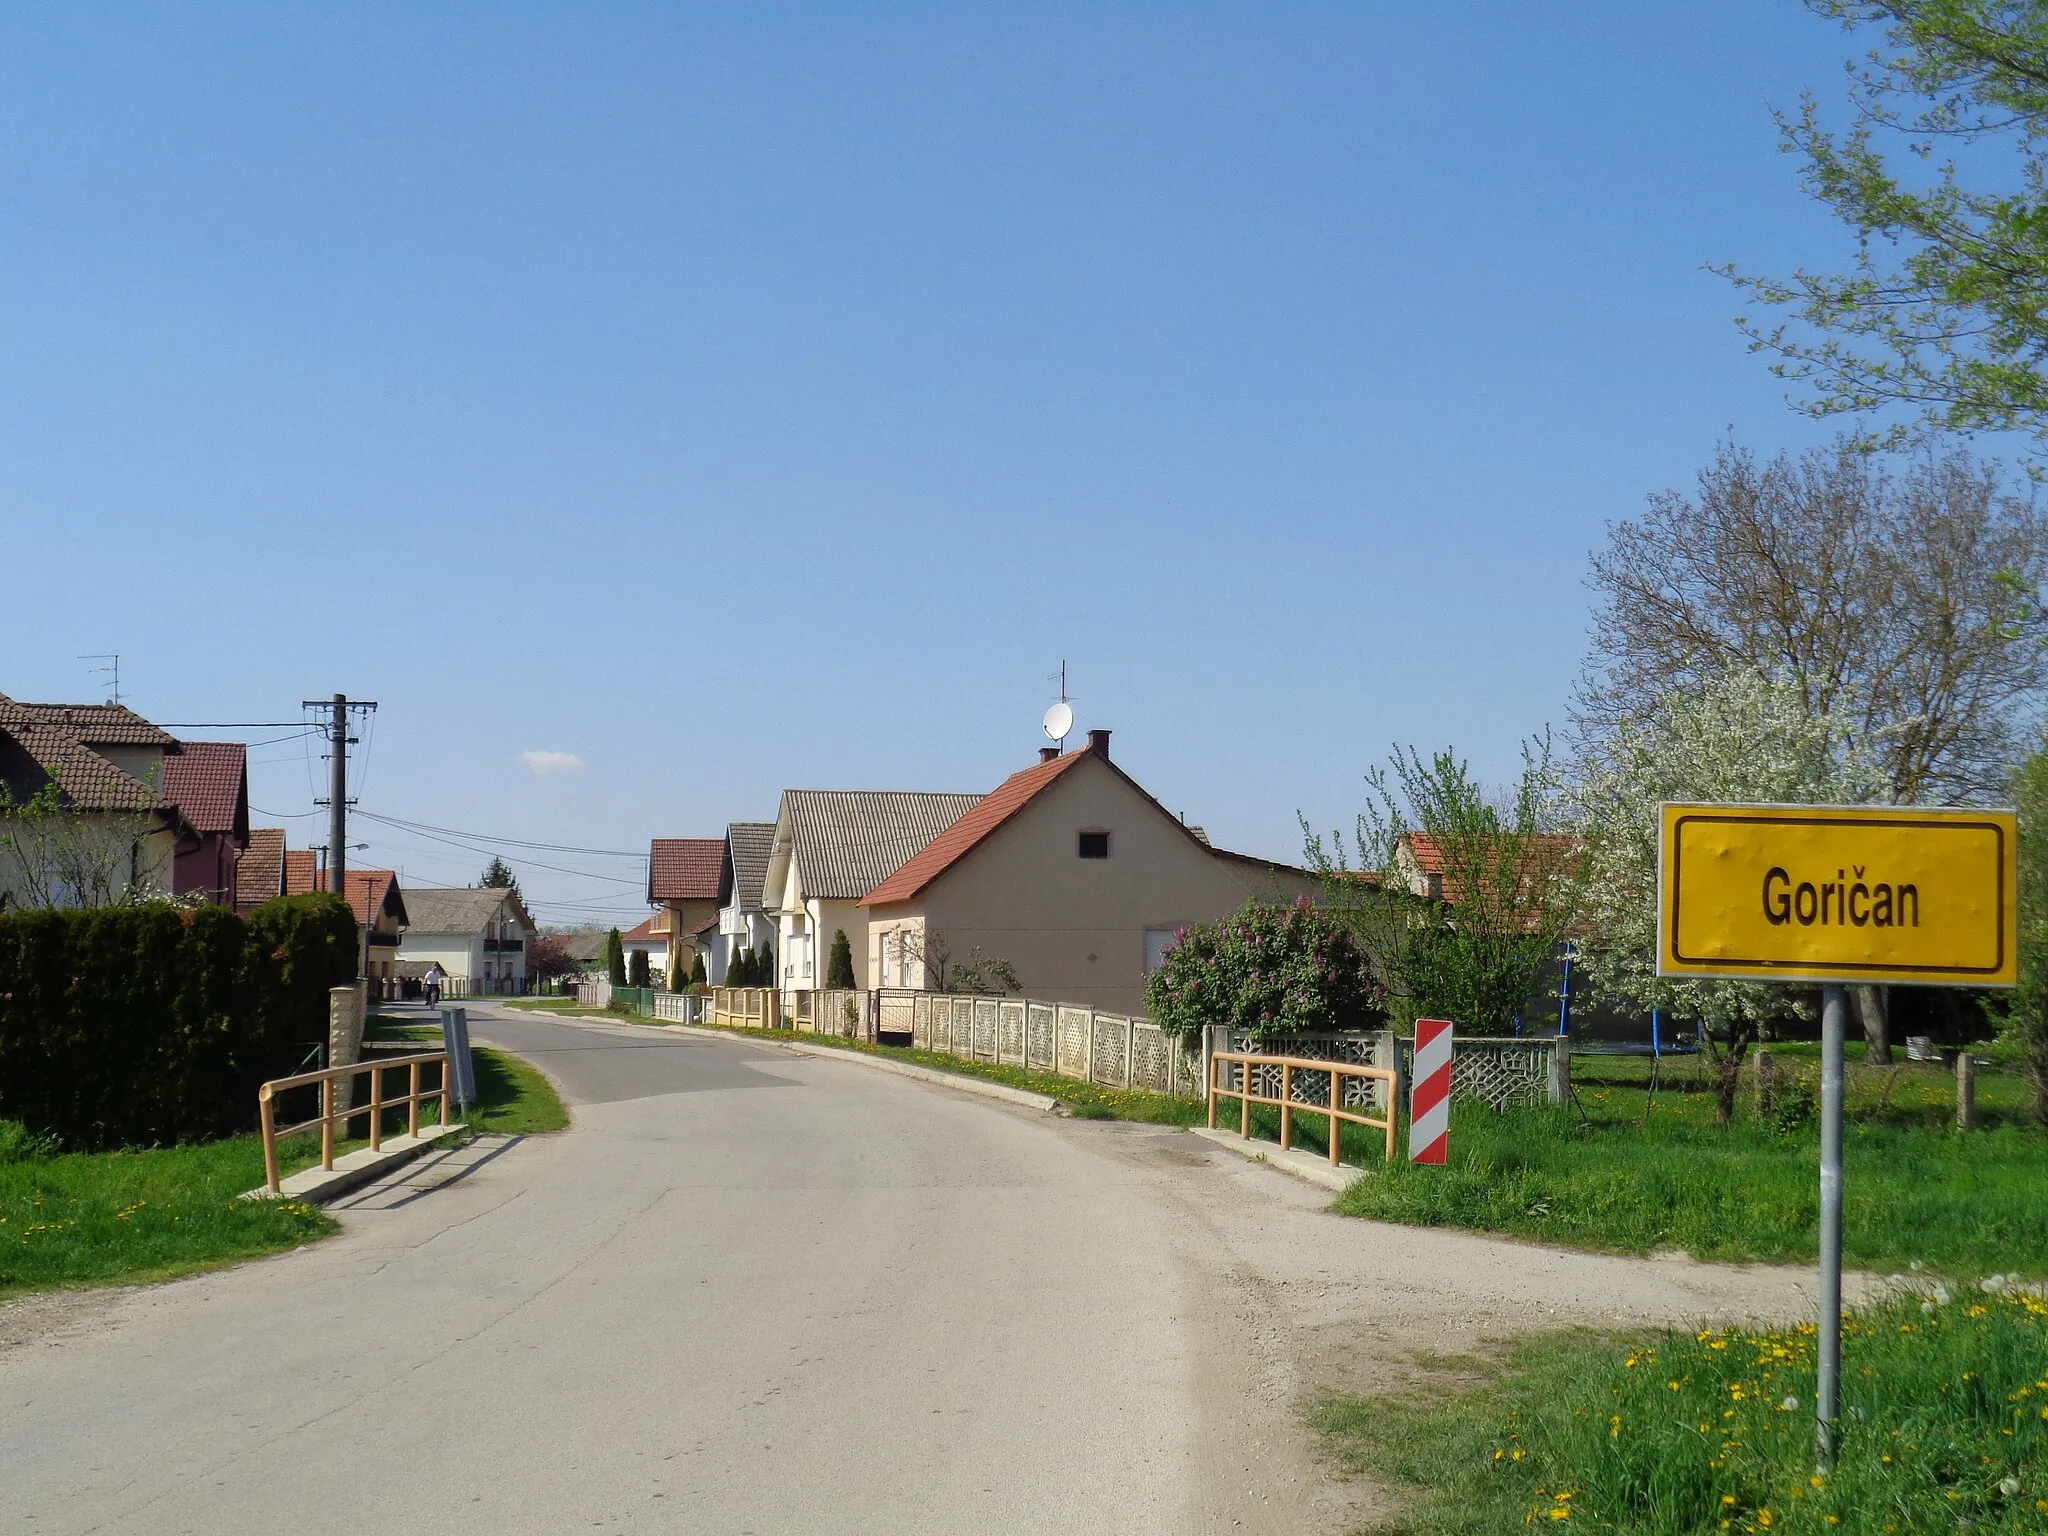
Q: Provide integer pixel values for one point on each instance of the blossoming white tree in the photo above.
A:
(1736, 737)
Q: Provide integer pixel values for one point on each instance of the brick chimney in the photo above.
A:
(1098, 743)
(1047, 754)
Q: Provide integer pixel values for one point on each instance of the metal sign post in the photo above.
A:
(461, 1067)
(1841, 895)
(1827, 1387)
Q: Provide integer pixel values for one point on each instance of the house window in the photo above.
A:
(1094, 845)
(885, 959)
(1157, 942)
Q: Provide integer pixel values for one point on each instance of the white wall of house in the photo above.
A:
(461, 955)
(77, 849)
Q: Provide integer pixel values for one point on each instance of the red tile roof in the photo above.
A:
(259, 873)
(301, 872)
(97, 725)
(644, 934)
(209, 782)
(686, 869)
(1544, 848)
(966, 834)
(370, 891)
(85, 780)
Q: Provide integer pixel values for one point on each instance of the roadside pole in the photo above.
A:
(1834, 1009)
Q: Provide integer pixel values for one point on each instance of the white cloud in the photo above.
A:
(552, 762)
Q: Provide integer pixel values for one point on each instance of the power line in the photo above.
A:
(582, 874)
(509, 842)
(225, 725)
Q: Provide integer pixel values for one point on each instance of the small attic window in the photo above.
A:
(1094, 845)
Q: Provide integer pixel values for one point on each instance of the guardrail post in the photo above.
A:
(1130, 1052)
(1335, 1105)
(327, 1124)
(1286, 1105)
(269, 1138)
(1966, 1091)
(377, 1107)
(412, 1116)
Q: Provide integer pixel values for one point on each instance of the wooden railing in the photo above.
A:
(329, 1116)
(1251, 1067)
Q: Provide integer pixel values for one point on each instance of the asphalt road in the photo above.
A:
(758, 1292)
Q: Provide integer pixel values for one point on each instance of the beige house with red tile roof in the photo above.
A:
(114, 830)
(689, 879)
(1072, 873)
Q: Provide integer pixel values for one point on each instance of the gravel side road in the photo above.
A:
(753, 1291)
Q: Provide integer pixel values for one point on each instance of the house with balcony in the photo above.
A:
(1071, 872)
(479, 935)
(830, 848)
(687, 879)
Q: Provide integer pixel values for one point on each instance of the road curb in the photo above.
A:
(1303, 1165)
(317, 1185)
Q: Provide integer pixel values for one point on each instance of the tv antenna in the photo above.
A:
(1060, 718)
(114, 658)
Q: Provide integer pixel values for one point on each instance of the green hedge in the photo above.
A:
(145, 1026)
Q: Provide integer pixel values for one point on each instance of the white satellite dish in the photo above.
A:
(1059, 720)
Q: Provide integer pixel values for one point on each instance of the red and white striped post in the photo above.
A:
(1429, 1096)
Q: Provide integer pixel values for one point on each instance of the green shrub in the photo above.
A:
(1268, 971)
(839, 970)
(698, 975)
(146, 1025)
(637, 973)
(615, 958)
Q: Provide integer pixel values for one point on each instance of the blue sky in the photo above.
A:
(746, 397)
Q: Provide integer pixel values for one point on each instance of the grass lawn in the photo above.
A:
(128, 1217)
(1627, 1171)
(1944, 1428)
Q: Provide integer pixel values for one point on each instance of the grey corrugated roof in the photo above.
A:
(461, 909)
(751, 842)
(848, 841)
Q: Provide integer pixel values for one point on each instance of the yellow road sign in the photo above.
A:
(1840, 894)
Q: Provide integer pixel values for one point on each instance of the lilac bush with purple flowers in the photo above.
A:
(1268, 970)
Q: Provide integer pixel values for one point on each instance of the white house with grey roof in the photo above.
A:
(830, 848)
(744, 921)
(478, 934)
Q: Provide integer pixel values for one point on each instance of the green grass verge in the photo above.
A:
(512, 1097)
(1944, 1428)
(106, 1217)
(1623, 1183)
(130, 1217)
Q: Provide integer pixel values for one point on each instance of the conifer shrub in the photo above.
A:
(839, 970)
(147, 1025)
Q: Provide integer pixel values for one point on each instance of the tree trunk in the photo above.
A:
(1873, 1008)
(1731, 1074)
